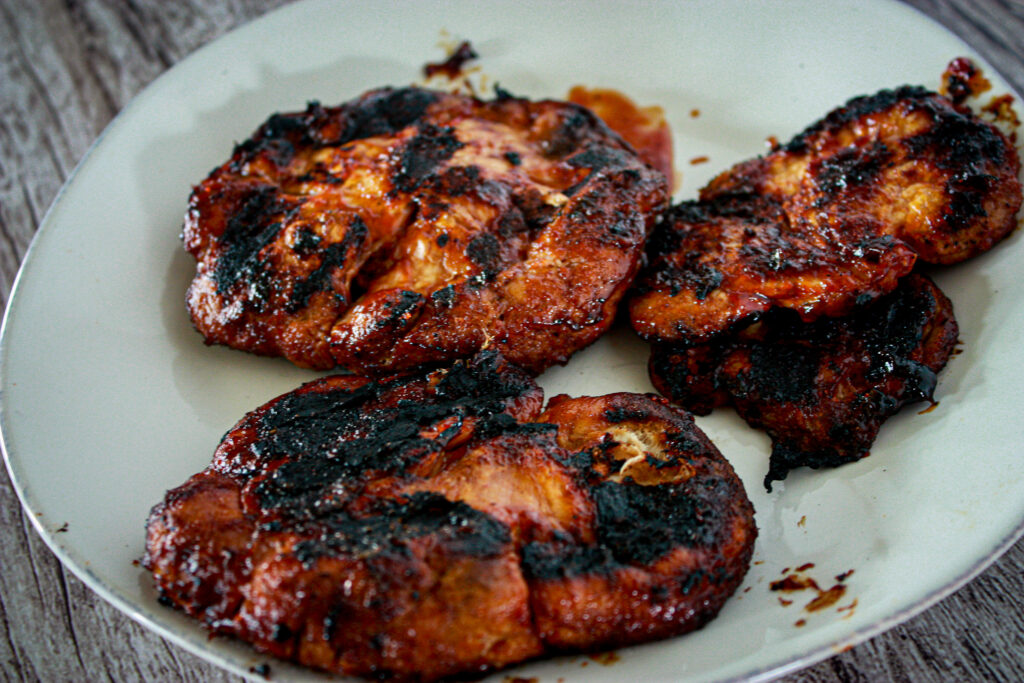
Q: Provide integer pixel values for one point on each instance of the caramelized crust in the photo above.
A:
(673, 530)
(821, 390)
(833, 218)
(419, 529)
(413, 227)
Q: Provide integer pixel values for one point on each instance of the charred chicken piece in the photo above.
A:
(831, 219)
(821, 390)
(412, 227)
(417, 529)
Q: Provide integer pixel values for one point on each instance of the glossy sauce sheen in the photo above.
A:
(832, 219)
(412, 227)
(440, 525)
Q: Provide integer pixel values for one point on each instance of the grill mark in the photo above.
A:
(423, 154)
(257, 223)
(334, 257)
(392, 524)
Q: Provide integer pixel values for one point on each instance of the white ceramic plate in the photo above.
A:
(110, 398)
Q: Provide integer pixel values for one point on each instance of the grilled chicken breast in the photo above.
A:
(833, 218)
(412, 227)
(821, 390)
(419, 528)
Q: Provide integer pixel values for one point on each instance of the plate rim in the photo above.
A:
(78, 565)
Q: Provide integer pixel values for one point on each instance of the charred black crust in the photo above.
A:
(333, 257)
(572, 130)
(685, 271)
(443, 298)
(637, 525)
(256, 224)
(622, 414)
(334, 437)
(485, 251)
(782, 365)
(422, 154)
(849, 169)
(390, 524)
(855, 109)
(401, 309)
(779, 372)
(380, 112)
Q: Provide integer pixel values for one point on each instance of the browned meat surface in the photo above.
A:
(417, 529)
(823, 389)
(413, 227)
(832, 218)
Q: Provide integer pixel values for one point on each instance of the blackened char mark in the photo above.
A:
(334, 257)
(485, 251)
(485, 382)
(277, 137)
(456, 181)
(970, 148)
(570, 133)
(422, 154)
(381, 112)
(252, 227)
(390, 524)
(594, 159)
(849, 169)
(384, 112)
(779, 373)
(620, 414)
(443, 298)
(855, 109)
(699, 278)
(337, 435)
(401, 310)
(637, 525)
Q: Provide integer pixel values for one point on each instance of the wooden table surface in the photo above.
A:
(66, 68)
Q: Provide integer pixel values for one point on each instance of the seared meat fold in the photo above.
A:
(823, 389)
(412, 227)
(421, 528)
(831, 219)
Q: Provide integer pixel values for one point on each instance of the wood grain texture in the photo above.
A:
(66, 68)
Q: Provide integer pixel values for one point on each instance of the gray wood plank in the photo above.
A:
(66, 68)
